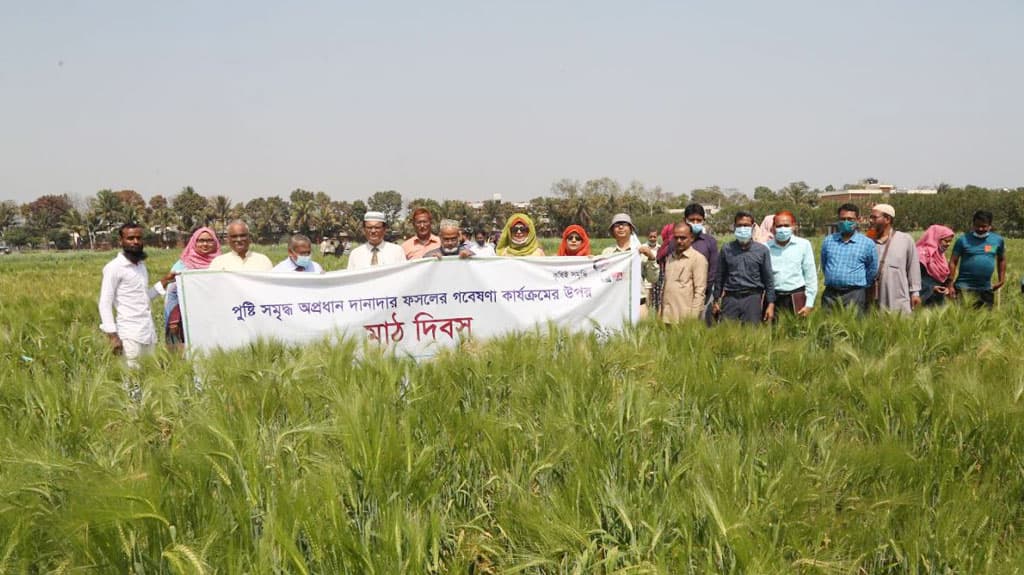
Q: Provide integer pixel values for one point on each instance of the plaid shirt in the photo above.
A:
(849, 264)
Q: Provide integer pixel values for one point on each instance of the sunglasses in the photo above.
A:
(574, 238)
(520, 229)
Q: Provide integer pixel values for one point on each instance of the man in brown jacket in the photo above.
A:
(686, 277)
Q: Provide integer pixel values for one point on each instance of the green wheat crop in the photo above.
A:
(834, 445)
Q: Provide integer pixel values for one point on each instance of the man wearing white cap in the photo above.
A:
(897, 286)
(376, 251)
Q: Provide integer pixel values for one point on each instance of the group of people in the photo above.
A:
(752, 279)
(764, 270)
(125, 286)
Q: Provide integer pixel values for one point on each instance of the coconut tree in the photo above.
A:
(220, 210)
(8, 213)
(327, 213)
(190, 208)
(303, 216)
(107, 207)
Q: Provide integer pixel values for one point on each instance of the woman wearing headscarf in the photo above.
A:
(934, 266)
(202, 247)
(519, 238)
(575, 242)
(763, 231)
(662, 257)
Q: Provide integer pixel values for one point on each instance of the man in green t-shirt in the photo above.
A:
(976, 255)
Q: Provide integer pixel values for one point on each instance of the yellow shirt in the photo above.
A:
(232, 262)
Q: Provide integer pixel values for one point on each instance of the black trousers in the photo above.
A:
(788, 300)
(745, 308)
(855, 297)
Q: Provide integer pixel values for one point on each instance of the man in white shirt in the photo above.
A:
(480, 246)
(126, 288)
(300, 257)
(241, 258)
(376, 251)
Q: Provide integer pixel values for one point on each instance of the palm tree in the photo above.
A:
(8, 211)
(108, 208)
(130, 213)
(326, 214)
(220, 209)
(303, 216)
(162, 218)
(74, 223)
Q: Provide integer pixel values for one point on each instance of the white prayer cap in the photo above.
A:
(374, 217)
(885, 209)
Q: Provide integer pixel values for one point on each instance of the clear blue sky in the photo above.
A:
(465, 99)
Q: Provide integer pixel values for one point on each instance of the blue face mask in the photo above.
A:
(697, 228)
(783, 234)
(304, 261)
(743, 233)
(847, 227)
(980, 235)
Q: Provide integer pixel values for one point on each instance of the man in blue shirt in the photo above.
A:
(300, 257)
(796, 277)
(849, 262)
(980, 251)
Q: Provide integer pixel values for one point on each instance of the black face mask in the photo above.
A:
(135, 255)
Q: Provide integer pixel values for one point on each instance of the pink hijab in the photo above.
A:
(929, 253)
(666, 242)
(194, 260)
(763, 232)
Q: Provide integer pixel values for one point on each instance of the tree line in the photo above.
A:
(58, 221)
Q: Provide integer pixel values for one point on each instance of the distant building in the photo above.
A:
(869, 192)
(709, 209)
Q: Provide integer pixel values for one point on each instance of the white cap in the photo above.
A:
(886, 209)
(374, 217)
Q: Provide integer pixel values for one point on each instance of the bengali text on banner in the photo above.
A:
(414, 308)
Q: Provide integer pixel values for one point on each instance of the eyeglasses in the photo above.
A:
(204, 241)
(574, 238)
(520, 229)
(619, 224)
(237, 236)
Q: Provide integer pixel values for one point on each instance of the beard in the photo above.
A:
(449, 252)
(135, 255)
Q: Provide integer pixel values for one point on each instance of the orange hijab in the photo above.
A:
(563, 248)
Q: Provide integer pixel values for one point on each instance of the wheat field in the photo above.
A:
(832, 445)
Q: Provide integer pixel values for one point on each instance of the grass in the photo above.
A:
(834, 445)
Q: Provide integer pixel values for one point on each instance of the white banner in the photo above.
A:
(414, 308)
